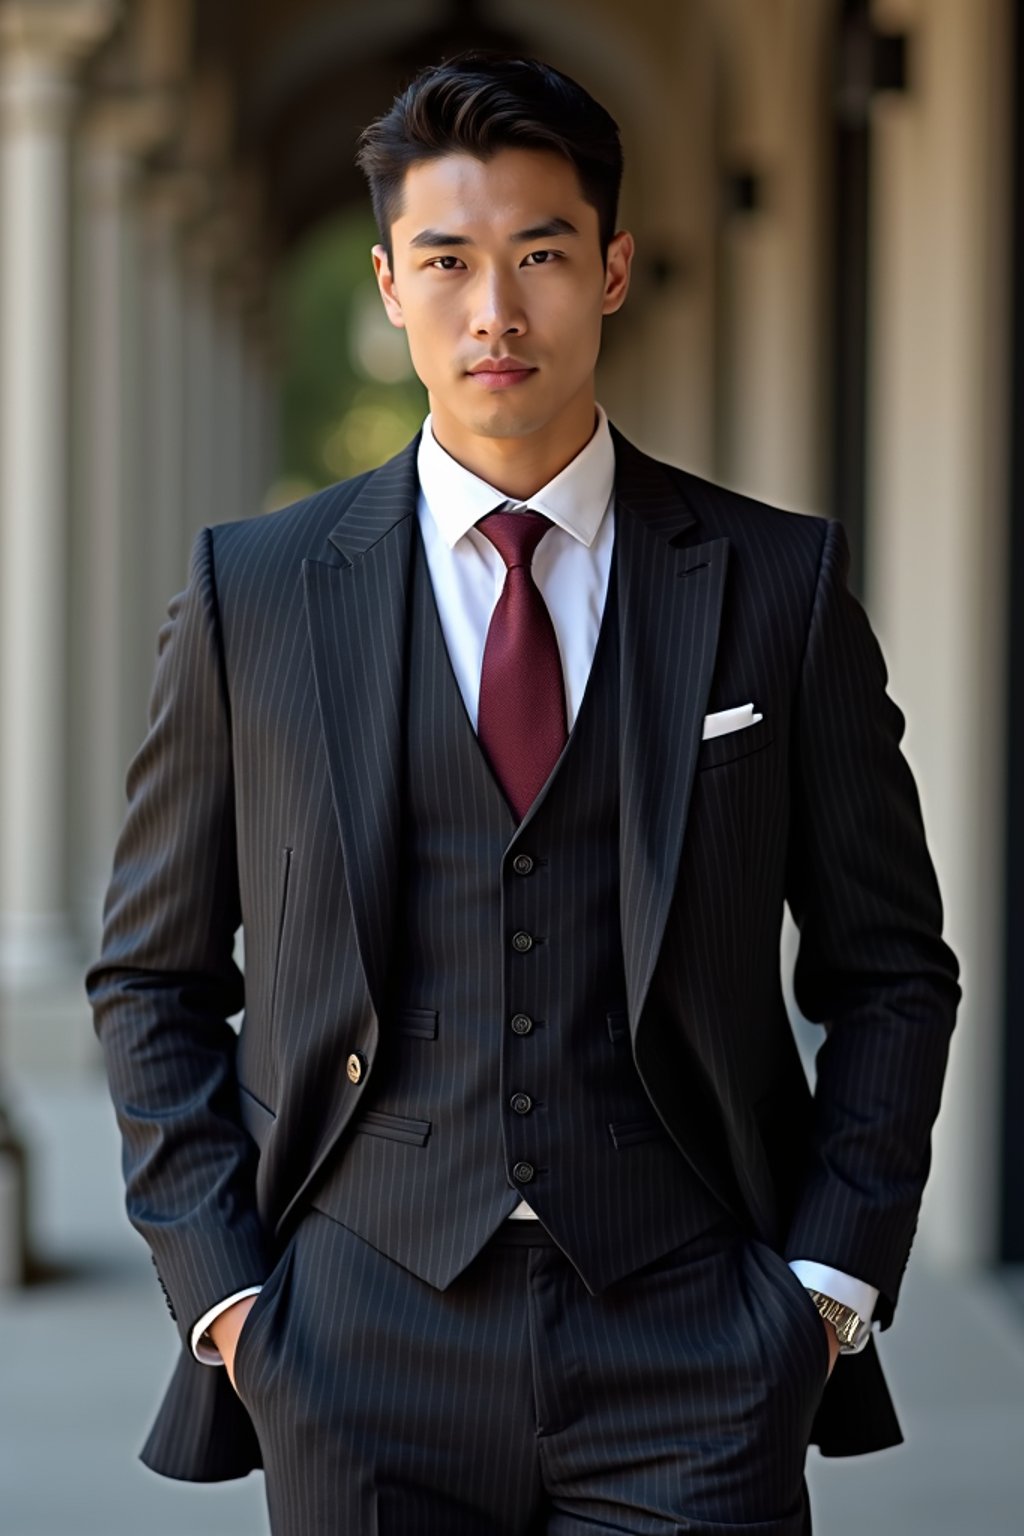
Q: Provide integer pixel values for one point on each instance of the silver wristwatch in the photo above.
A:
(852, 1330)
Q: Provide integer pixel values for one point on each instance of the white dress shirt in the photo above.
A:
(571, 568)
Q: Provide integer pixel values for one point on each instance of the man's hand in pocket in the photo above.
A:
(224, 1331)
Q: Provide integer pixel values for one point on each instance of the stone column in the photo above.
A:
(218, 288)
(167, 202)
(938, 527)
(115, 523)
(774, 125)
(40, 45)
(201, 406)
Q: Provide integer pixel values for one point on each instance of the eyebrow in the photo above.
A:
(431, 238)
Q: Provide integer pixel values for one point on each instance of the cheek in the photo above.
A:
(428, 322)
(575, 314)
(425, 351)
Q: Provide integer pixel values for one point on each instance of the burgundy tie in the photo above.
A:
(521, 718)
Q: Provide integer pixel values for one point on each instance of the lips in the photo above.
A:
(502, 365)
(501, 372)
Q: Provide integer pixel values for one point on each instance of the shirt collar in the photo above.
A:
(576, 499)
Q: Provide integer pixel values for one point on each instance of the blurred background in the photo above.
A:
(827, 313)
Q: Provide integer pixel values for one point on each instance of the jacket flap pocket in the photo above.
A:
(629, 1133)
(420, 1022)
(377, 1122)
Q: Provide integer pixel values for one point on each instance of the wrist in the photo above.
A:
(849, 1329)
(224, 1330)
(204, 1346)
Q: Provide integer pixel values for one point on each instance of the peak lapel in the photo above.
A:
(356, 614)
(670, 602)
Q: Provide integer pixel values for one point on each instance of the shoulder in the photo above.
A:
(757, 529)
(298, 529)
(258, 558)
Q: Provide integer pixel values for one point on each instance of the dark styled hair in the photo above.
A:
(483, 101)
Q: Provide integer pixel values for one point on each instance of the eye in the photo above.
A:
(437, 259)
(543, 258)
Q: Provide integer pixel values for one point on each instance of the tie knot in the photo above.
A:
(515, 535)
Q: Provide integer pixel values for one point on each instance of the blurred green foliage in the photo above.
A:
(350, 398)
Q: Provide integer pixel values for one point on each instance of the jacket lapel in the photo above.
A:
(356, 607)
(670, 603)
(670, 597)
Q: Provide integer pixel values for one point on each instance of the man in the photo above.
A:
(509, 1209)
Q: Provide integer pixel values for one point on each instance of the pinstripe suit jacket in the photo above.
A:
(266, 794)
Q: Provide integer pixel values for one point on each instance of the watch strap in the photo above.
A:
(851, 1329)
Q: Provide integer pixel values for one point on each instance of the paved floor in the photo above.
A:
(83, 1358)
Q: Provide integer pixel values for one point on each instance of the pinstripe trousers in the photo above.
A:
(516, 1402)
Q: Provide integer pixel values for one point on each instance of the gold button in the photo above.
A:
(355, 1067)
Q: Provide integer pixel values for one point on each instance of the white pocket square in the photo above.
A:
(725, 720)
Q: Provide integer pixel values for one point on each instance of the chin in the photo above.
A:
(504, 427)
(504, 421)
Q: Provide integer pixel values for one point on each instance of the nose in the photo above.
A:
(497, 310)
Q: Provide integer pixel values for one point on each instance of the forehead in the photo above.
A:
(514, 189)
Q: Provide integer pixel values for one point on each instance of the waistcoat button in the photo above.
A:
(521, 1023)
(521, 942)
(355, 1067)
(523, 1172)
(521, 1103)
(522, 864)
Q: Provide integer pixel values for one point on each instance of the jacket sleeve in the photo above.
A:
(871, 964)
(166, 983)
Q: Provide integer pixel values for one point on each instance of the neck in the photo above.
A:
(518, 466)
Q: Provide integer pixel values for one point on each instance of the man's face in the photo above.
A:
(501, 260)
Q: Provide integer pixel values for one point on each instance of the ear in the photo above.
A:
(617, 271)
(386, 284)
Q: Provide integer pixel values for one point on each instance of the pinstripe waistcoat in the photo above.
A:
(467, 1112)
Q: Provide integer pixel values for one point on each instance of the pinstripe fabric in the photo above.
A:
(268, 791)
(679, 1399)
(428, 1172)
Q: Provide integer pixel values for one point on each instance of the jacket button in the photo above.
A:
(522, 864)
(523, 1172)
(521, 1103)
(355, 1067)
(521, 942)
(521, 1023)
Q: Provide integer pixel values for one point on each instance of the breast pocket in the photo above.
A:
(735, 744)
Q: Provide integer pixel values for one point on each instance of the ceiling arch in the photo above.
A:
(308, 76)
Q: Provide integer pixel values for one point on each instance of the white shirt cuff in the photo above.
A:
(204, 1349)
(832, 1282)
